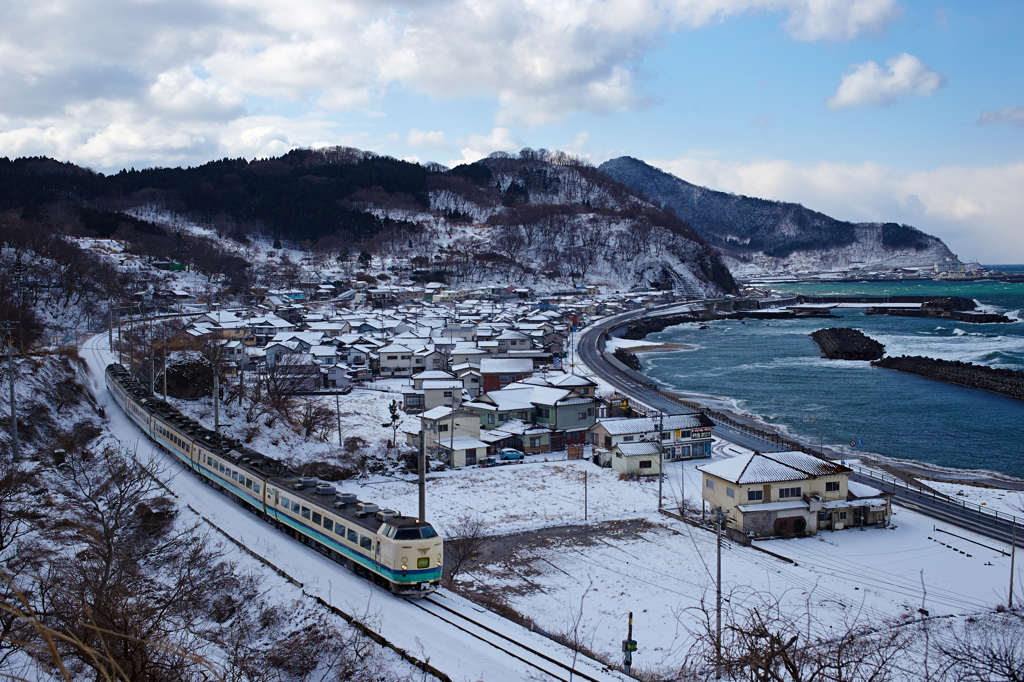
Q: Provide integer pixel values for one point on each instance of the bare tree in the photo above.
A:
(766, 641)
(463, 541)
(130, 581)
(986, 649)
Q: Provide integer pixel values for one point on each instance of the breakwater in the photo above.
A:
(841, 343)
(949, 307)
(638, 330)
(1003, 381)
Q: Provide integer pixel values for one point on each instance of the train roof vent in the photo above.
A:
(306, 482)
(366, 508)
(344, 499)
(385, 514)
(325, 489)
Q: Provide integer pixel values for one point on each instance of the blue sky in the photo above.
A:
(864, 109)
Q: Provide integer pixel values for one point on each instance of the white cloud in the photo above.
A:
(1014, 115)
(203, 60)
(836, 20)
(975, 210)
(868, 85)
(477, 147)
(426, 138)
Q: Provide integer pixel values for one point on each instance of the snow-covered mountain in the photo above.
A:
(758, 235)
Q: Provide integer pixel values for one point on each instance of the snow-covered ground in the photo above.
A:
(660, 570)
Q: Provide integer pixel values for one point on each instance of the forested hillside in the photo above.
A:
(536, 217)
(763, 233)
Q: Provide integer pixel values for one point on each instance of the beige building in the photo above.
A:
(641, 459)
(782, 493)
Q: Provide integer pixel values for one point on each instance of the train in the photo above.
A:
(402, 553)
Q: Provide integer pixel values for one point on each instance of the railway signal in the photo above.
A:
(629, 646)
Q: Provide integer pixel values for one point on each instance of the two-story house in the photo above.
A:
(681, 436)
(497, 373)
(782, 493)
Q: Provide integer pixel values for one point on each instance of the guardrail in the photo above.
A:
(946, 500)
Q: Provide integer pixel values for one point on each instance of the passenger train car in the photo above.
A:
(403, 553)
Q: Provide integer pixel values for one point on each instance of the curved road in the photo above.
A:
(1000, 527)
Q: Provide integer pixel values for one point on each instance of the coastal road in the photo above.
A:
(940, 508)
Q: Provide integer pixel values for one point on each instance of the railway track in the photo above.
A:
(582, 668)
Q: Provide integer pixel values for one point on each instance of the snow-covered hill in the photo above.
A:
(758, 236)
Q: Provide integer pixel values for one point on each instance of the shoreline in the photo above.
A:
(914, 469)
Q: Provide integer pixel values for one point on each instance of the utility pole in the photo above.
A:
(9, 326)
(719, 518)
(216, 402)
(422, 466)
(584, 495)
(337, 411)
(1013, 555)
(661, 454)
(165, 369)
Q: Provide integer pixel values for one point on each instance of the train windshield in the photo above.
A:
(415, 533)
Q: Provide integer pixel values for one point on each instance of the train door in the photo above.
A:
(376, 554)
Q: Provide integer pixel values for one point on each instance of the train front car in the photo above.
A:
(416, 555)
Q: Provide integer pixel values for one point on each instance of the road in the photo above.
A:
(942, 509)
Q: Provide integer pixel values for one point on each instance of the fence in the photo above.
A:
(963, 506)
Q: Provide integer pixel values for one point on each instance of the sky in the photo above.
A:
(867, 110)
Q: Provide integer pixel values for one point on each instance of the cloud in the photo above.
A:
(839, 20)
(477, 147)
(429, 138)
(975, 210)
(1014, 115)
(868, 85)
(202, 61)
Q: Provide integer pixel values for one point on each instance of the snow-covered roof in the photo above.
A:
(772, 506)
(506, 365)
(776, 466)
(461, 443)
(617, 426)
(436, 413)
(862, 491)
(442, 384)
(637, 449)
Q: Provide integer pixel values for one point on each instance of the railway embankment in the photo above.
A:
(1006, 382)
(840, 343)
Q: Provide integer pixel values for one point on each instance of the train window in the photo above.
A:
(295, 507)
(328, 524)
(353, 536)
(317, 518)
(305, 512)
(256, 487)
(407, 534)
(234, 476)
(285, 503)
(365, 542)
(339, 529)
(248, 483)
(222, 468)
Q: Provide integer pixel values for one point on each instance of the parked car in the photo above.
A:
(511, 454)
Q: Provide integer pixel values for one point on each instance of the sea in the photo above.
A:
(773, 371)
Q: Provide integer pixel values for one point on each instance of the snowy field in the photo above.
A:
(660, 572)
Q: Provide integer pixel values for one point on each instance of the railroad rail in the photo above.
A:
(516, 649)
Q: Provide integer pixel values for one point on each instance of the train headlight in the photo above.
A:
(404, 567)
(439, 563)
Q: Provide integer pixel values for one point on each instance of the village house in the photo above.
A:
(636, 459)
(497, 373)
(681, 436)
(785, 493)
